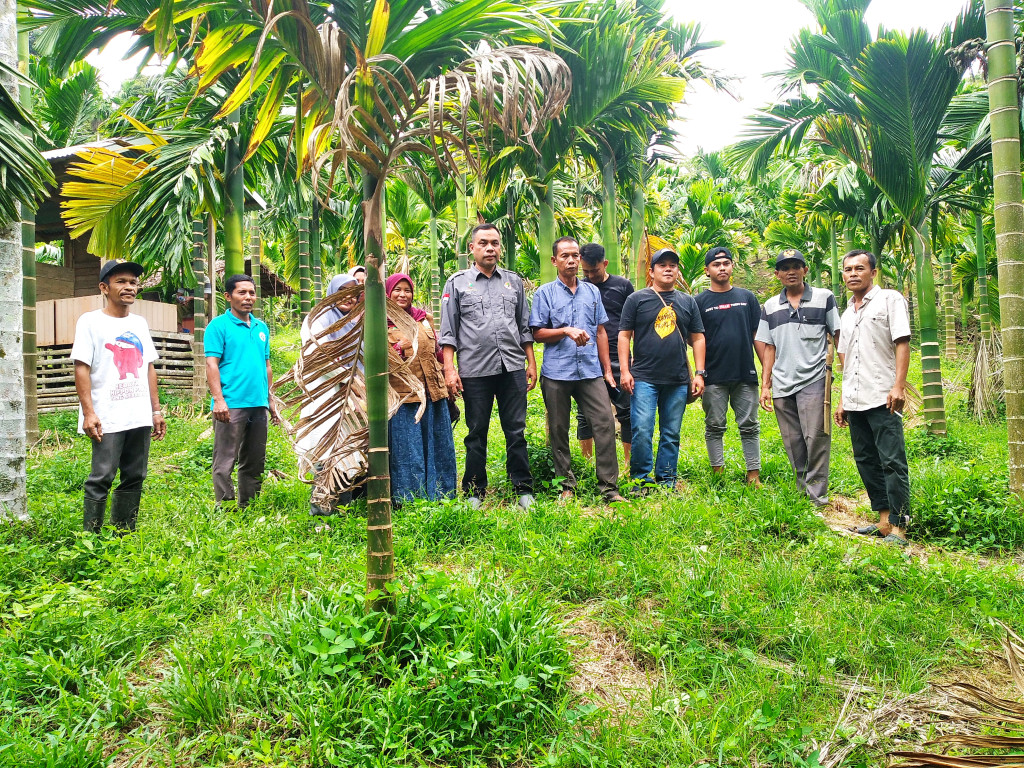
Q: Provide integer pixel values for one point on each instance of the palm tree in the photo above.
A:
(378, 88)
(1009, 217)
(25, 175)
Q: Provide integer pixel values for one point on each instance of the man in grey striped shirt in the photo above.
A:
(792, 339)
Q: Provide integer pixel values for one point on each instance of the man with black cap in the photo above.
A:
(120, 406)
(730, 316)
(792, 340)
(658, 375)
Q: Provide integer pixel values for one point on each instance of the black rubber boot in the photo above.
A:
(92, 519)
(124, 509)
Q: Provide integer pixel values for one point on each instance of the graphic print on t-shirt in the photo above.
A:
(665, 322)
(127, 351)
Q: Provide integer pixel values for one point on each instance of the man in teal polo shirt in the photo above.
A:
(238, 371)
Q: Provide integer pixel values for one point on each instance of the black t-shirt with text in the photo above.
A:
(730, 322)
(614, 292)
(659, 350)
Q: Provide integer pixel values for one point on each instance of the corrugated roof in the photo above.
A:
(65, 152)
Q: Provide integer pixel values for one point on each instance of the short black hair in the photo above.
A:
(234, 280)
(592, 254)
(872, 259)
(479, 227)
(563, 239)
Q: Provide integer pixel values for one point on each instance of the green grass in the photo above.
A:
(240, 638)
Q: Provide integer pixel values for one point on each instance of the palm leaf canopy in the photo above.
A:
(24, 173)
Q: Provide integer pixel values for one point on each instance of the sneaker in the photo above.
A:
(526, 500)
(474, 502)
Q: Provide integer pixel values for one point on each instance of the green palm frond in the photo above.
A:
(24, 173)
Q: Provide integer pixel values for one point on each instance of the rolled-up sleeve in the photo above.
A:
(449, 317)
(899, 317)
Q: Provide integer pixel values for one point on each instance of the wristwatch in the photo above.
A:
(701, 372)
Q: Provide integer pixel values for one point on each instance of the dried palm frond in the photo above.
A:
(322, 397)
(983, 710)
(987, 378)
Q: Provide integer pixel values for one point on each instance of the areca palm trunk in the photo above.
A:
(315, 255)
(255, 260)
(834, 242)
(461, 222)
(380, 554)
(304, 276)
(984, 316)
(234, 205)
(435, 273)
(1009, 219)
(510, 228)
(199, 312)
(546, 231)
(609, 225)
(13, 501)
(637, 206)
(28, 276)
(931, 364)
(211, 264)
(948, 305)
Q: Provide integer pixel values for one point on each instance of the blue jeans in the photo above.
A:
(668, 402)
(422, 454)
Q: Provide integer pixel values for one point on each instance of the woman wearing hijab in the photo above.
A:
(422, 454)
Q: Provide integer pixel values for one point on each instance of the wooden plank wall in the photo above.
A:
(55, 320)
(53, 282)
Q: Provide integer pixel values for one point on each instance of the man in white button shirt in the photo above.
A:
(874, 350)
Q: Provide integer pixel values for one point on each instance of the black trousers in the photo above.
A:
(127, 451)
(881, 455)
(241, 440)
(478, 394)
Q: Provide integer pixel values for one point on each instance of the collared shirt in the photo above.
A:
(868, 345)
(243, 350)
(555, 306)
(485, 320)
(800, 337)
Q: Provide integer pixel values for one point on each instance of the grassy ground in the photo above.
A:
(714, 626)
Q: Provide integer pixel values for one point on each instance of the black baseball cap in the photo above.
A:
(718, 252)
(662, 254)
(790, 254)
(120, 265)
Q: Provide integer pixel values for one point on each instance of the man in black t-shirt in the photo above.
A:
(731, 316)
(614, 290)
(657, 376)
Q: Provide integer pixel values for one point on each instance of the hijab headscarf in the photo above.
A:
(357, 268)
(334, 314)
(389, 285)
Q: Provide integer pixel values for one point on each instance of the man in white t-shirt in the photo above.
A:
(120, 406)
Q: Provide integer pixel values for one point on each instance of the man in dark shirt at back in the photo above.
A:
(731, 316)
(614, 290)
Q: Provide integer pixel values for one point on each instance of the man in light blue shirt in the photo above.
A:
(568, 317)
(237, 348)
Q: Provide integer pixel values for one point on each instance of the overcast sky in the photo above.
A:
(754, 33)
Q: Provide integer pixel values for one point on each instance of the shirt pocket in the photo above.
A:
(811, 331)
(472, 306)
(508, 306)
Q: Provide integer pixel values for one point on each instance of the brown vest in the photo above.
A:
(425, 365)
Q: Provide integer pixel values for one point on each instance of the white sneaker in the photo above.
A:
(474, 502)
(526, 500)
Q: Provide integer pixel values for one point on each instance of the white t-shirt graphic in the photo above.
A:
(118, 351)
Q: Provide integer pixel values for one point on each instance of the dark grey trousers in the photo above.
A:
(802, 424)
(716, 400)
(591, 395)
(881, 455)
(242, 439)
(127, 451)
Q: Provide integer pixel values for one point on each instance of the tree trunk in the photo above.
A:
(546, 232)
(234, 204)
(509, 245)
(199, 310)
(985, 318)
(834, 269)
(948, 306)
(461, 220)
(637, 206)
(1009, 220)
(316, 256)
(380, 554)
(13, 501)
(304, 277)
(931, 364)
(255, 260)
(435, 273)
(609, 218)
(28, 274)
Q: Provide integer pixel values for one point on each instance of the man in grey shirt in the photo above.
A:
(485, 321)
(792, 340)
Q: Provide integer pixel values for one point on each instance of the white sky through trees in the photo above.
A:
(755, 34)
